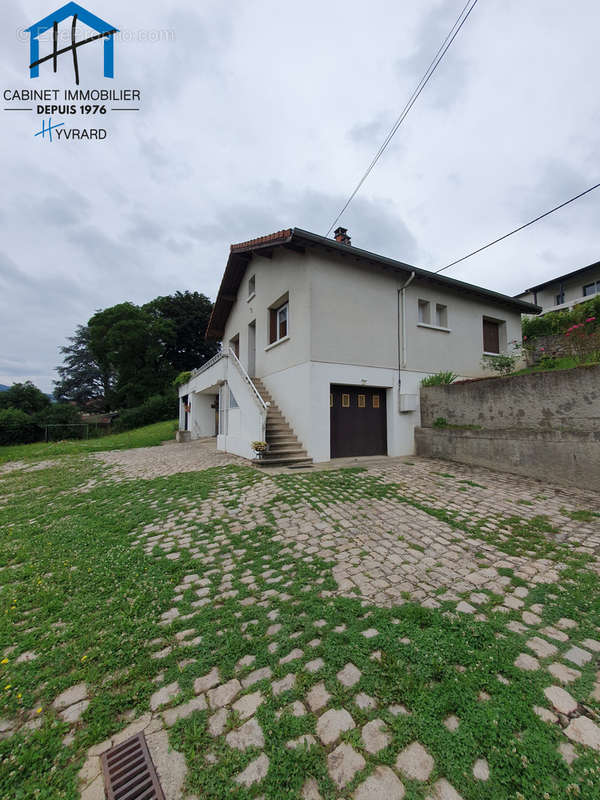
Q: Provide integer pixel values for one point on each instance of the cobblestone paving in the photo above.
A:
(386, 551)
(416, 630)
(170, 459)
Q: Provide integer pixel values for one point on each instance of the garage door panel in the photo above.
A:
(358, 421)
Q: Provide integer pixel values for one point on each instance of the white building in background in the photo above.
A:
(325, 346)
(566, 291)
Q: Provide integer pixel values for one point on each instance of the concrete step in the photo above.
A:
(278, 427)
(290, 449)
(283, 438)
(283, 462)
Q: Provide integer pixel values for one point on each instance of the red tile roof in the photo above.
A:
(271, 238)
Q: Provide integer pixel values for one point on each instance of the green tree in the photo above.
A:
(189, 312)
(25, 397)
(131, 342)
(81, 378)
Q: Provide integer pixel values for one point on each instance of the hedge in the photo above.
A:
(560, 321)
(17, 427)
(159, 408)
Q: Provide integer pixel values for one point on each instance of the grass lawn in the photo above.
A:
(141, 437)
(564, 362)
(85, 589)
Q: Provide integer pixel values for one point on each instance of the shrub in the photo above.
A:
(440, 422)
(584, 340)
(502, 364)
(560, 321)
(182, 378)
(63, 419)
(439, 379)
(17, 427)
(156, 409)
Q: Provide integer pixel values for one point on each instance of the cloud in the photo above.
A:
(254, 118)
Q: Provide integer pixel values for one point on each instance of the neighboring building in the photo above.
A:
(325, 346)
(566, 291)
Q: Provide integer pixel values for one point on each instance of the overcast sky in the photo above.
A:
(260, 116)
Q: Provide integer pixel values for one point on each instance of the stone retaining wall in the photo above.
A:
(557, 400)
(564, 458)
(545, 425)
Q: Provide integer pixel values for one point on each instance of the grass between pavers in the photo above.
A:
(147, 436)
(67, 558)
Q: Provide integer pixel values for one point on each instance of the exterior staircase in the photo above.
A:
(284, 447)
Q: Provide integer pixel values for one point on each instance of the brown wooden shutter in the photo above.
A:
(272, 325)
(491, 336)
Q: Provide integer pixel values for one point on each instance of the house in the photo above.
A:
(324, 346)
(102, 28)
(566, 291)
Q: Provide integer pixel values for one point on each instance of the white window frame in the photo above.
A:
(285, 307)
(424, 312)
(441, 315)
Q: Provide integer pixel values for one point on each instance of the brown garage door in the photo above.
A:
(358, 421)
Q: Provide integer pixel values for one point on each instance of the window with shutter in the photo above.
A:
(278, 323)
(491, 336)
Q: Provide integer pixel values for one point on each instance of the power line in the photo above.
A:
(516, 230)
(443, 49)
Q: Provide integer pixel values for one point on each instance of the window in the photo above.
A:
(424, 315)
(252, 286)
(441, 315)
(235, 345)
(362, 401)
(375, 401)
(559, 299)
(278, 323)
(591, 288)
(491, 336)
(345, 401)
(232, 401)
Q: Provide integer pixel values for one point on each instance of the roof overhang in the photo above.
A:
(300, 240)
(574, 274)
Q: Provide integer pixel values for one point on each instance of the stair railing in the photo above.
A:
(247, 378)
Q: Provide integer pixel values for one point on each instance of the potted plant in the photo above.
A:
(260, 448)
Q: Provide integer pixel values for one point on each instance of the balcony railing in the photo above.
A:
(214, 360)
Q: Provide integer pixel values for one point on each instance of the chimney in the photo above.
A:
(341, 236)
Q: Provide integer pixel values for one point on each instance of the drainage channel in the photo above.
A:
(129, 773)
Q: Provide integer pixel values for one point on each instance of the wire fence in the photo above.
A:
(25, 433)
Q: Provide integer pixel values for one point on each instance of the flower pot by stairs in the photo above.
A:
(284, 447)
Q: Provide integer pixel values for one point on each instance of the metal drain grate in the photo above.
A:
(129, 773)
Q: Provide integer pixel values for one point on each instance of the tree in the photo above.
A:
(189, 312)
(25, 397)
(81, 378)
(130, 342)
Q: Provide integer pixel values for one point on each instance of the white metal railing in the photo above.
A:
(568, 304)
(247, 378)
(214, 360)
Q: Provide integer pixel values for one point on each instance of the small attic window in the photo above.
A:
(252, 286)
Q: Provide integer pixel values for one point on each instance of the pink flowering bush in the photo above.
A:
(584, 340)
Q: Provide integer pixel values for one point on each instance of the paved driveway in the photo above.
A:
(414, 629)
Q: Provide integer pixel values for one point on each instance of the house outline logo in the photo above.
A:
(51, 22)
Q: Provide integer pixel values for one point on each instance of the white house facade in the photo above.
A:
(566, 291)
(325, 346)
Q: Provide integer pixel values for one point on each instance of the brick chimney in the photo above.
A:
(341, 236)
